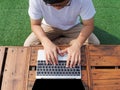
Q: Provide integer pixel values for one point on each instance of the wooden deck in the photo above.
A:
(100, 67)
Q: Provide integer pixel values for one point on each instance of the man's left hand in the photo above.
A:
(74, 55)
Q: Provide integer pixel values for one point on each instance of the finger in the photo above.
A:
(52, 59)
(55, 57)
(63, 52)
(49, 57)
(75, 60)
(58, 50)
(46, 59)
(79, 60)
(68, 61)
(72, 61)
(49, 60)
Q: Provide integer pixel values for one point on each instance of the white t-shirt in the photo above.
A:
(64, 18)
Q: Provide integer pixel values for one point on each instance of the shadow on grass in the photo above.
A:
(105, 37)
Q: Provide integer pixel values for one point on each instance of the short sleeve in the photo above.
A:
(34, 10)
(87, 10)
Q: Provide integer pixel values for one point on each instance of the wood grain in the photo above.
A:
(16, 69)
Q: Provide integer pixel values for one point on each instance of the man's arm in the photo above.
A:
(74, 54)
(88, 27)
(50, 48)
(37, 29)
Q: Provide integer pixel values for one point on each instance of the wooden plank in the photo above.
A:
(106, 82)
(31, 79)
(32, 75)
(34, 52)
(88, 69)
(111, 87)
(84, 75)
(85, 84)
(33, 62)
(105, 50)
(16, 69)
(100, 60)
(30, 84)
(110, 74)
(103, 67)
(2, 52)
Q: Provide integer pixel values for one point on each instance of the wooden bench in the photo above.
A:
(100, 67)
(104, 67)
(14, 68)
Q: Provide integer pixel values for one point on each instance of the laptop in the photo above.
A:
(59, 71)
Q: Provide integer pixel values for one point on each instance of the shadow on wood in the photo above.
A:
(61, 84)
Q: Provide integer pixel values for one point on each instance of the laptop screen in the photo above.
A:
(59, 71)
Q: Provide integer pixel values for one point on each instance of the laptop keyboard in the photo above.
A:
(60, 69)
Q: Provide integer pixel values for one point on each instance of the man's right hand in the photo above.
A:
(51, 52)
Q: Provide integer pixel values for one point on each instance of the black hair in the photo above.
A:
(53, 1)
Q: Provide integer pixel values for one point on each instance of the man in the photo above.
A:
(51, 19)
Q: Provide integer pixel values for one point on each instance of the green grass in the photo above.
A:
(107, 21)
(15, 25)
(14, 22)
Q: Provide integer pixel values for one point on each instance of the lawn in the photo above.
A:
(15, 25)
(107, 21)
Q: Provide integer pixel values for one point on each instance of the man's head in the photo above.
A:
(53, 1)
(58, 4)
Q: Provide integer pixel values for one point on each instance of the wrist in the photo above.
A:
(45, 41)
(76, 43)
